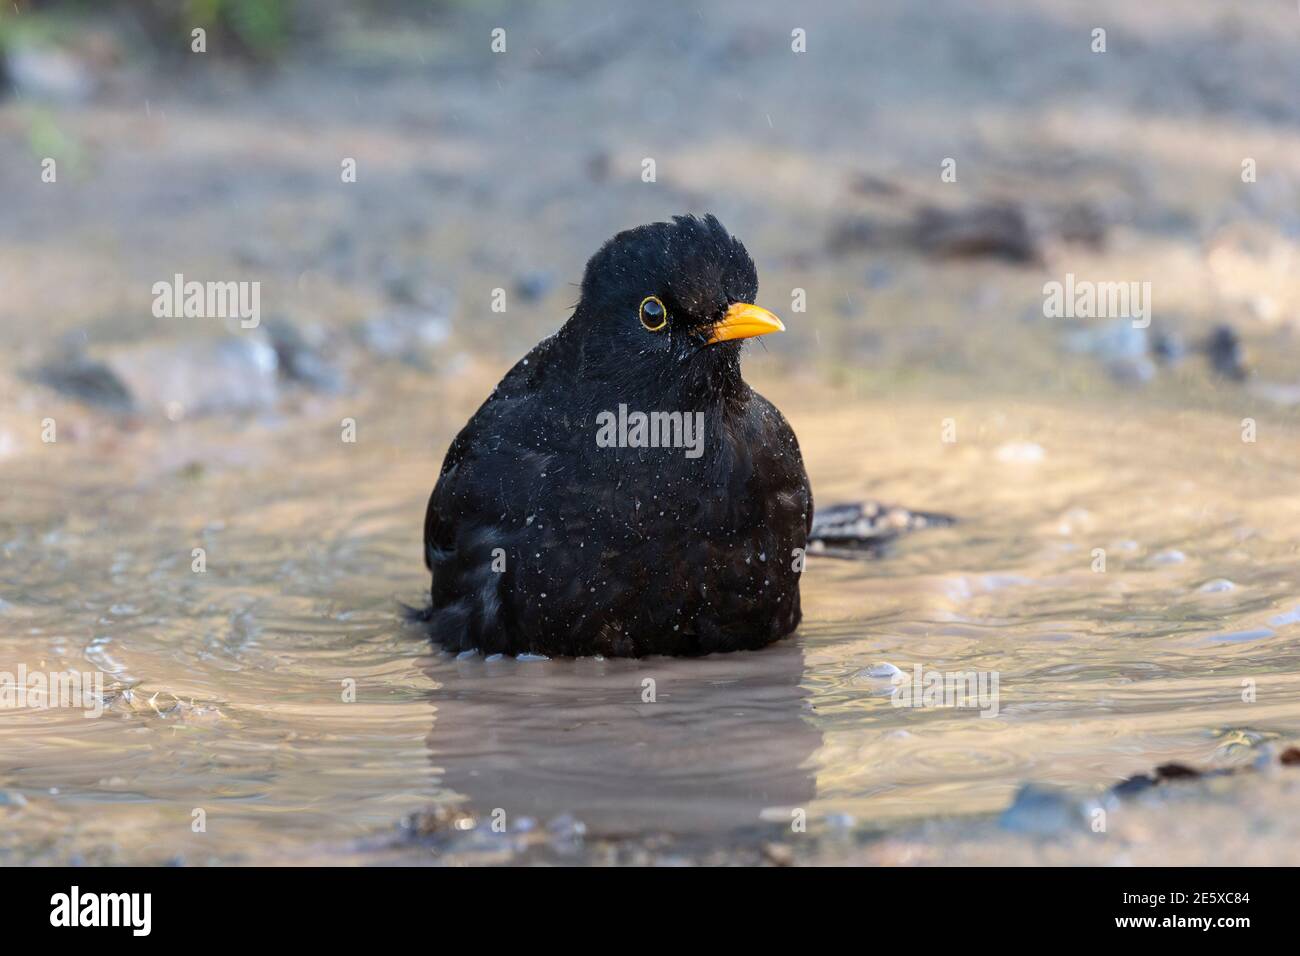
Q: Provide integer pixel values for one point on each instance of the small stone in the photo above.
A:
(175, 380)
(1216, 586)
(1224, 351)
(300, 360)
(188, 378)
(882, 670)
(85, 380)
(439, 819)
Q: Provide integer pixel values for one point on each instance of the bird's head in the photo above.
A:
(670, 299)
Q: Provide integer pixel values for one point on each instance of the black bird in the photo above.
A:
(623, 491)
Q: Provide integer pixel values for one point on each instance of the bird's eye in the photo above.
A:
(653, 314)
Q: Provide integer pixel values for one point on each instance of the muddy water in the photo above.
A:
(272, 707)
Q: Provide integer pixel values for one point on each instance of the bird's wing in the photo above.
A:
(440, 515)
(783, 451)
(865, 526)
(438, 533)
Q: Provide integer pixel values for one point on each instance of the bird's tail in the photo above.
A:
(416, 615)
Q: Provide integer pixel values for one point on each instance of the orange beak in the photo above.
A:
(744, 321)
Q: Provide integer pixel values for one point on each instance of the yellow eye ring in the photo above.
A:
(656, 316)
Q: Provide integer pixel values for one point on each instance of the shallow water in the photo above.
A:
(226, 688)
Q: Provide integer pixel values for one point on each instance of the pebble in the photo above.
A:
(1216, 585)
(1225, 354)
(215, 376)
(301, 360)
(883, 670)
(175, 379)
(85, 380)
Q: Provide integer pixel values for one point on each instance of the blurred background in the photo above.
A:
(478, 170)
(908, 178)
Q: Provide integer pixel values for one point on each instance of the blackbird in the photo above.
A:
(623, 491)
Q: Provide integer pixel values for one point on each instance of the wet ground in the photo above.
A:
(271, 707)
